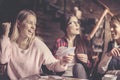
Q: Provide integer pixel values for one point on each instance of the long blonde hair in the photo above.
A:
(22, 15)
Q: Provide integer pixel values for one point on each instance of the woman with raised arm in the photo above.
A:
(23, 52)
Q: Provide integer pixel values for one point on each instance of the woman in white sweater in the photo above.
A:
(23, 52)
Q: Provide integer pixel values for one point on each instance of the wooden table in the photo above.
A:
(50, 77)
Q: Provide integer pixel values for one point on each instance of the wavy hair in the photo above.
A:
(22, 15)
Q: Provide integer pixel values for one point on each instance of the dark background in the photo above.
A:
(48, 27)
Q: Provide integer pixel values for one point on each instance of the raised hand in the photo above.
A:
(6, 26)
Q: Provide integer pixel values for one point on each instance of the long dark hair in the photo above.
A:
(64, 22)
(81, 43)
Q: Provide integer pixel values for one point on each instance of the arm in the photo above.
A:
(60, 65)
(49, 60)
(52, 63)
(84, 59)
(103, 65)
(5, 44)
(60, 42)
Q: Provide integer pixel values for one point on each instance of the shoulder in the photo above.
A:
(41, 47)
(37, 42)
(61, 40)
(58, 40)
(110, 45)
(111, 42)
(37, 39)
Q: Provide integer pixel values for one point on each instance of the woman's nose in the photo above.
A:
(112, 29)
(77, 25)
(33, 27)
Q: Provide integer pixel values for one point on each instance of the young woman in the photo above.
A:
(74, 38)
(111, 59)
(23, 52)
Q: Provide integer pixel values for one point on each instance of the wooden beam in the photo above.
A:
(109, 12)
(97, 25)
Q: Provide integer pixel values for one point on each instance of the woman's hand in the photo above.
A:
(114, 52)
(83, 57)
(67, 59)
(6, 26)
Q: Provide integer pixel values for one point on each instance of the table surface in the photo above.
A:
(50, 77)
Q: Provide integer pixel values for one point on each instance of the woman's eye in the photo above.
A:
(29, 22)
(69, 23)
(32, 23)
(75, 22)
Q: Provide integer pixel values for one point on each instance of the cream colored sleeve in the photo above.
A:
(5, 49)
(49, 60)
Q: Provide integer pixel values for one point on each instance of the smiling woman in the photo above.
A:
(23, 52)
(110, 62)
(26, 24)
